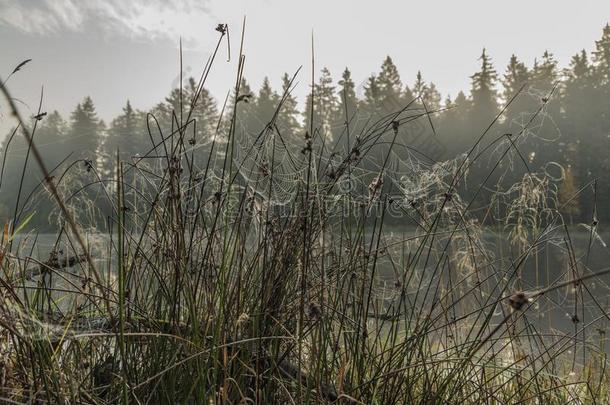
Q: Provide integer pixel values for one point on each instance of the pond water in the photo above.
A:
(548, 264)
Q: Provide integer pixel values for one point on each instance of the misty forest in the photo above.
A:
(373, 244)
(569, 138)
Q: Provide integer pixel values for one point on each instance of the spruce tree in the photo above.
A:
(372, 96)
(427, 93)
(419, 87)
(390, 87)
(545, 73)
(524, 105)
(348, 103)
(601, 55)
(49, 139)
(85, 131)
(454, 125)
(167, 112)
(125, 135)
(205, 113)
(287, 120)
(51, 135)
(327, 100)
(517, 74)
(484, 96)
(432, 97)
(325, 105)
(578, 86)
(265, 107)
(347, 119)
(545, 77)
(601, 72)
(582, 129)
(483, 109)
(243, 105)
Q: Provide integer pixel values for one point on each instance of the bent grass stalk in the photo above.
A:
(246, 271)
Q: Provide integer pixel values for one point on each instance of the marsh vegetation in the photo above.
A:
(353, 263)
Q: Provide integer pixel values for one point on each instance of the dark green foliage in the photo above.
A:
(390, 86)
(265, 106)
(234, 272)
(205, 112)
(325, 105)
(348, 103)
(484, 94)
(85, 134)
(571, 128)
(126, 135)
(288, 119)
(517, 77)
(372, 95)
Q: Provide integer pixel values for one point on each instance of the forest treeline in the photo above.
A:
(566, 113)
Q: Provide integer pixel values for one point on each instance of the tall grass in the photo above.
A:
(274, 273)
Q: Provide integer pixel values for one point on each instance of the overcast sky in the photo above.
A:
(114, 50)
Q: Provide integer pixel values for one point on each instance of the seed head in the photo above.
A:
(243, 319)
(395, 125)
(313, 311)
(517, 301)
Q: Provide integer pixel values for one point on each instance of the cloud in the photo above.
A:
(150, 19)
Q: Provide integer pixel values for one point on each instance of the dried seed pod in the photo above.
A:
(314, 311)
(517, 301)
(395, 125)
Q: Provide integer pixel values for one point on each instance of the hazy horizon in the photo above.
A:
(114, 52)
(363, 240)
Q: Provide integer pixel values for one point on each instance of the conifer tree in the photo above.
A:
(390, 87)
(426, 93)
(601, 55)
(205, 112)
(348, 103)
(454, 124)
(167, 112)
(51, 135)
(407, 94)
(347, 119)
(419, 87)
(582, 129)
(125, 135)
(432, 97)
(601, 66)
(578, 86)
(483, 109)
(49, 139)
(244, 105)
(517, 74)
(85, 131)
(325, 105)
(520, 110)
(545, 72)
(287, 120)
(545, 77)
(176, 108)
(484, 105)
(372, 96)
(266, 105)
